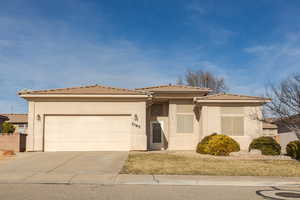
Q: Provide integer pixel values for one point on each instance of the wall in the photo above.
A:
(181, 141)
(211, 123)
(15, 142)
(285, 138)
(85, 107)
(270, 132)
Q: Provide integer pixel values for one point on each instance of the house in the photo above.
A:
(19, 121)
(101, 118)
(270, 129)
(287, 134)
(2, 119)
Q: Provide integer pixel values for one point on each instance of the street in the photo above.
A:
(130, 192)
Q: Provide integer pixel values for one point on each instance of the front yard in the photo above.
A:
(181, 164)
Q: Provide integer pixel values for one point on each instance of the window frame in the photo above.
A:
(181, 113)
(233, 115)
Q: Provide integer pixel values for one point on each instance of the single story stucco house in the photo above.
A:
(173, 117)
(19, 121)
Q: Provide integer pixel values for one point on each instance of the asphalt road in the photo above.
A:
(128, 192)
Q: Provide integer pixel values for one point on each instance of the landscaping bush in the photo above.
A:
(218, 145)
(8, 128)
(293, 149)
(202, 145)
(267, 145)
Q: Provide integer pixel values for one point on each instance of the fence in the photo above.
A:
(15, 142)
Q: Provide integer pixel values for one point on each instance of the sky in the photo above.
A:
(136, 43)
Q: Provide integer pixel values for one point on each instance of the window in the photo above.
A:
(185, 118)
(185, 123)
(232, 121)
(157, 110)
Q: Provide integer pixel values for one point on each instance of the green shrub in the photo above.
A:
(201, 147)
(267, 145)
(218, 145)
(8, 128)
(293, 149)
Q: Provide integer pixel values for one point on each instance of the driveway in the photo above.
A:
(62, 167)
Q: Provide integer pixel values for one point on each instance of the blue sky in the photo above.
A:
(136, 43)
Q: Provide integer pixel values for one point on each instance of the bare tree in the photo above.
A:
(205, 79)
(285, 104)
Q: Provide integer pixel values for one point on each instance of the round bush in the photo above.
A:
(219, 145)
(267, 145)
(202, 145)
(293, 149)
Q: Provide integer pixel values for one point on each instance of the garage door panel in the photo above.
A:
(87, 133)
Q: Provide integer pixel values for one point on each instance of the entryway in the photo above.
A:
(157, 135)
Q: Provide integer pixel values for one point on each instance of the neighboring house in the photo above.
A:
(173, 117)
(2, 119)
(285, 133)
(270, 129)
(20, 122)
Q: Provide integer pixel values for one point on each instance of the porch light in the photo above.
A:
(38, 117)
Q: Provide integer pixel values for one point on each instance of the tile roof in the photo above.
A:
(17, 118)
(3, 117)
(173, 88)
(86, 90)
(230, 97)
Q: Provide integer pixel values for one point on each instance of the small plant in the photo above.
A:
(218, 145)
(293, 149)
(267, 145)
(8, 128)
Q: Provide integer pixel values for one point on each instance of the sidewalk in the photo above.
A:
(112, 179)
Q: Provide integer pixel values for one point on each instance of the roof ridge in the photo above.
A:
(55, 89)
(231, 94)
(168, 85)
(79, 87)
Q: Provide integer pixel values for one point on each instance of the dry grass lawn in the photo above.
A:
(164, 163)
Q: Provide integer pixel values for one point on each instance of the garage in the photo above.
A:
(87, 133)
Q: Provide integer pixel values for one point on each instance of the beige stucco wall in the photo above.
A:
(270, 132)
(79, 107)
(211, 123)
(181, 141)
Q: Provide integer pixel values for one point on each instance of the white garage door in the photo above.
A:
(87, 133)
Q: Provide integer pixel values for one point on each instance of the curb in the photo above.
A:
(176, 180)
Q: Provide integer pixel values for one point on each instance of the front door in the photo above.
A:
(157, 135)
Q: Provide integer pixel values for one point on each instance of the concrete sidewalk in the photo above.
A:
(123, 179)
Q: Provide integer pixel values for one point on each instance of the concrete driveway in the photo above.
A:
(62, 167)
